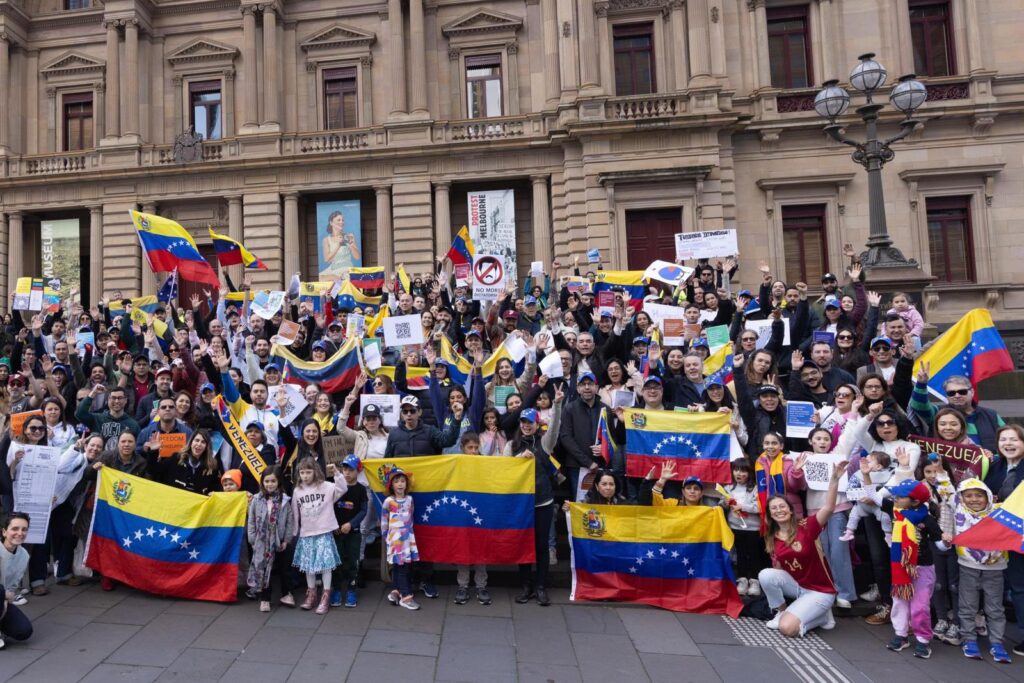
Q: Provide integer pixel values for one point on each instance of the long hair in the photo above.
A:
(943, 412)
(743, 465)
(317, 449)
(208, 459)
(272, 471)
(748, 367)
(773, 527)
(308, 463)
(595, 498)
(43, 440)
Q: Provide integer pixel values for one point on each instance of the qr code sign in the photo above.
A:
(817, 471)
(403, 330)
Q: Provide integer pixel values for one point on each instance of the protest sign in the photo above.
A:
(501, 394)
(551, 365)
(818, 470)
(334, 448)
(605, 304)
(462, 274)
(85, 338)
(537, 269)
(593, 256)
(622, 398)
(296, 403)
(286, 333)
(516, 347)
(799, 419)
(388, 404)
(823, 336)
(34, 486)
(355, 325)
(489, 277)
(965, 459)
(172, 444)
(707, 244)
(667, 272)
(673, 332)
(717, 336)
(764, 331)
(371, 354)
(403, 330)
(266, 303)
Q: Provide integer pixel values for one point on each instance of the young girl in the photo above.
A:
(492, 438)
(901, 305)
(396, 526)
(938, 475)
(269, 528)
(313, 507)
(774, 475)
(14, 557)
(743, 520)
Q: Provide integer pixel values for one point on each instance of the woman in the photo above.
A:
(1005, 474)
(58, 431)
(762, 364)
(834, 418)
(339, 249)
(716, 398)
(799, 572)
(309, 444)
(505, 376)
(13, 623)
(184, 409)
(848, 355)
(323, 412)
(620, 377)
(33, 434)
(369, 438)
(194, 469)
(951, 425)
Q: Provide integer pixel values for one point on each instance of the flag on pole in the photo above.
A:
(462, 250)
(167, 246)
(230, 252)
(169, 291)
(972, 348)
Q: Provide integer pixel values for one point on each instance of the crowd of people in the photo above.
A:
(848, 350)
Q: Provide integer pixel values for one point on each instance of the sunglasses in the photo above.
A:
(845, 337)
(957, 392)
(881, 347)
(845, 394)
(885, 423)
(749, 339)
(408, 411)
(34, 428)
(378, 383)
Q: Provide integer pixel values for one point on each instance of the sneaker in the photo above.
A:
(971, 651)
(335, 598)
(830, 621)
(310, 599)
(394, 597)
(461, 595)
(2, 643)
(264, 605)
(19, 600)
(526, 595)
(409, 603)
(753, 588)
(999, 653)
(542, 597)
(846, 536)
(981, 626)
(952, 635)
(287, 600)
(843, 603)
(898, 643)
(40, 590)
(941, 626)
(552, 557)
(922, 650)
(773, 623)
(105, 583)
(871, 594)
(1018, 649)
(429, 590)
(251, 594)
(741, 586)
(483, 596)
(881, 617)
(350, 598)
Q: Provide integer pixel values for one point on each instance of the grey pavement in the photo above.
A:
(85, 634)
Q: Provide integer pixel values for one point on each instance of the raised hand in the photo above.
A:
(855, 271)
(668, 470)
(923, 372)
(874, 299)
(848, 250)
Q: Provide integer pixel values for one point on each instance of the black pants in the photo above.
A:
(281, 570)
(421, 572)
(751, 557)
(60, 542)
(13, 622)
(542, 517)
(346, 574)
(878, 551)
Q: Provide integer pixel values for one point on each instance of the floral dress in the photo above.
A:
(396, 526)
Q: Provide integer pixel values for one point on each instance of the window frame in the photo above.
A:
(789, 12)
(476, 61)
(339, 74)
(206, 86)
(71, 99)
(634, 30)
(71, 5)
(951, 203)
(947, 22)
(803, 211)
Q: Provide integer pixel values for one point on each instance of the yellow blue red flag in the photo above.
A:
(167, 246)
(1002, 529)
(337, 373)
(676, 558)
(462, 250)
(367, 278)
(629, 281)
(164, 540)
(230, 252)
(972, 348)
(699, 443)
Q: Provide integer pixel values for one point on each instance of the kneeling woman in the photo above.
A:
(799, 570)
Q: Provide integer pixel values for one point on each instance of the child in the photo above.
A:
(874, 471)
(396, 527)
(470, 443)
(349, 510)
(14, 557)
(743, 514)
(913, 574)
(269, 528)
(981, 571)
(901, 306)
(313, 507)
(693, 489)
(937, 473)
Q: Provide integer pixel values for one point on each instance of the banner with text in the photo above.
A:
(60, 255)
(492, 225)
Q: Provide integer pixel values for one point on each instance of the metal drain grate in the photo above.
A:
(753, 633)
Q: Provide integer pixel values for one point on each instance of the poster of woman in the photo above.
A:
(339, 237)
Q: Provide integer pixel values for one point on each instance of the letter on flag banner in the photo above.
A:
(468, 509)
(676, 558)
(699, 443)
(164, 540)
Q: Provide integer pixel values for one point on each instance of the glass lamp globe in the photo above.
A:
(908, 95)
(869, 75)
(832, 101)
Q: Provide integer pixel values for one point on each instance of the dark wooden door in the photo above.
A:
(650, 235)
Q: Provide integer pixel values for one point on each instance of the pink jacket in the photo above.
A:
(313, 506)
(913, 319)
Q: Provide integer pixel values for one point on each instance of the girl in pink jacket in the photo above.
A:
(313, 509)
(902, 306)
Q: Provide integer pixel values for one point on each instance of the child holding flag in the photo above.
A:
(744, 520)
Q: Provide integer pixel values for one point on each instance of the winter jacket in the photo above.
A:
(313, 506)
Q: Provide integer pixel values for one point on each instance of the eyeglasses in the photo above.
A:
(885, 423)
(957, 392)
(171, 407)
(845, 394)
(378, 383)
(749, 339)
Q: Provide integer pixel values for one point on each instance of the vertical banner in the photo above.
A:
(339, 237)
(492, 225)
(61, 258)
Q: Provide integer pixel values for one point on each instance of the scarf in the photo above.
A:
(903, 553)
(770, 482)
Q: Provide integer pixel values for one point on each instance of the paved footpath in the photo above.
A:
(84, 634)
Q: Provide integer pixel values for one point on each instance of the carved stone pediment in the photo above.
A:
(338, 36)
(482, 21)
(73, 64)
(203, 50)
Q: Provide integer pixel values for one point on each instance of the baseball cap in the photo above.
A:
(163, 370)
(653, 378)
(510, 315)
(335, 323)
(641, 340)
(913, 489)
(832, 302)
(699, 342)
(767, 389)
(321, 345)
(747, 293)
(829, 276)
(529, 300)
(586, 376)
(60, 367)
(529, 415)
(272, 367)
(372, 410)
(16, 378)
(411, 401)
(207, 387)
(255, 424)
(881, 340)
(352, 462)
(473, 333)
(692, 480)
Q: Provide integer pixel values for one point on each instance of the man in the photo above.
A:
(821, 355)
(883, 361)
(896, 331)
(587, 359)
(530, 320)
(257, 411)
(652, 394)
(112, 422)
(141, 381)
(148, 443)
(805, 382)
(161, 389)
(578, 432)
(982, 422)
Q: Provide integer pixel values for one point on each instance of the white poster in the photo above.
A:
(490, 275)
(266, 303)
(707, 244)
(296, 403)
(34, 484)
(403, 330)
(764, 331)
(492, 225)
(818, 470)
(388, 404)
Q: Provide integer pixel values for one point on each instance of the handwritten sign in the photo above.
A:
(171, 444)
(966, 460)
(334, 448)
(707, 244)
(34, 486)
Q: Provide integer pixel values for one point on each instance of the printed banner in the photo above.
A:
(708, 244)
(339, 237)
(492, 225)
(966, 460)
(60, 254)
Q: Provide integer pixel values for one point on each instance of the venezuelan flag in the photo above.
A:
(164, 540)
(972, 348)
(360, 298)
(462, 250)
(337, 373)
(367, 278)
(604, 438)
(676, 558)
(403, 279)
(719, 365)
(373, 323)
(632, 281)
(698, 442)
(231, 252)
(490, 365)
(469, 509)
(459, 367)
(167, 246)
(1002, 529)
(415, 377)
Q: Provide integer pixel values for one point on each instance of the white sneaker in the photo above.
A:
(830, 622)
(941, 626)
(774, 623)
(871, 595)
(843, 602)
(753, 588)
(741, 586)
(19, 600)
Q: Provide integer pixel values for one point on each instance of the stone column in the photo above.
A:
(95, 253)
(271, 95)
(396, 57)
(249, 103)
(680, 68)
(15, 257)
(604, 48)
(229, 112)
(113, 122)
(385, 234)
(764, 66)
(292, 264)
(131, 76)
(100, 112)
(146, 275)
(590, 74)
(541, 220)
(552, 88)
(699, 43)
(417, 44)
(442, 215)
(5, 79)
(236, 231)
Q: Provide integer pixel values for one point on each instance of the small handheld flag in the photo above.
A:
(462, 250)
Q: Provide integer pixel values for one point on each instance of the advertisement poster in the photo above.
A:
(339, 238)
(492, 225)
(60, 254)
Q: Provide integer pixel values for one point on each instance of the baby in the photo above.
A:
(901, 305)
(875, 471)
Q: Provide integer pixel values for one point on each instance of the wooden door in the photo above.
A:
(650, 235)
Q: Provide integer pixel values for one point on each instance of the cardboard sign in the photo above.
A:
(818, 470)
(334, 449)
(296, 403)
(966, 460)
(707, 244)
(172, 444)
(18, 421)
(764, 331)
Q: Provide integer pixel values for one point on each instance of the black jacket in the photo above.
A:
(424, 440)
(578, 432)
(183, 476)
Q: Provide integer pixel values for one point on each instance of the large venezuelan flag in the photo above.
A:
(718, 365)
(1003, 529)
(469, 509)
(632, 281)
(167, 246)
(698, 442)
(163, 540)
(676, 558)
(972, 348)
(415, 377)
(337, 373)
(459, 367)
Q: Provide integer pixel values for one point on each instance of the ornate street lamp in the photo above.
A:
(831, 103)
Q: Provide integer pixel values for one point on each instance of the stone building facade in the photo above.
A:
(615, 122)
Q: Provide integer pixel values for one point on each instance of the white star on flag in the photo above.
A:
(138, 535)
(675, 554)
(691, 572)
(650, 554)
(163, 532)
(472, 511)
(686, 560)
(175, 537)
(193, 554)
(151, 532)
(127, 541)
(464, 503)
(185, 545)
(425, 518)
(632, 570)
(662, 550)
(478, 521)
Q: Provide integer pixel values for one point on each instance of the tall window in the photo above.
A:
(77, 121)
(205, 101)
(803, 238)
(76, 4)
(789, 47)
(634, 59)
(949, 238)
(483, 86)
(931, 33)
(341, 98)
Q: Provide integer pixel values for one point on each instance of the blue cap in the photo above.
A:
(881, 340)
(700, 342)
(473, 333)
(641, 340)
(607, 314)
(752, 308)
(346, 301)
(321, 344)
(911, 488)
(529, 300)
(653, 378)
(335, 323)
(60, 367)
(832, 302)
(693, 480)
(273, 365)
(529, 415)
(207, 387)
(255, 424)
(353, 463)
(746, 293)
(586, 376)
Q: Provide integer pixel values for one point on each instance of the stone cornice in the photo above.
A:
(72, 64)
(203, 50)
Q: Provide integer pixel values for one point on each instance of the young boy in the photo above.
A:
(981, 571)
(349, 511)
(470, 443)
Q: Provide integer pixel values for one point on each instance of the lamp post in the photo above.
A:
(831, 103)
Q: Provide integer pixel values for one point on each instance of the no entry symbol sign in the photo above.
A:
(488, 276)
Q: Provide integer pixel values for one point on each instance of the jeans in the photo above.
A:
(462, 575)
(1014, 577)
(542, 517)
(400, 579)
(810, 607)
(879, 551)
(13, 622)
(838, 553)
(916, 613)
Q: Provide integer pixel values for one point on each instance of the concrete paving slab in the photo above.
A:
(657, 632)
(370, 666)
(123, 673)
(135, 609)
(277, 645)
(78, 654)
(607, 658)
(161, 641)
(736, 664)
(257, 672)
(17, 656)
(667, 668)
(460, 663)
(710, 629)
(532, 672)
(232, 630)
(478, 630)
(401, 642)
(327, 658)
(588, 619)
(198, 665)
